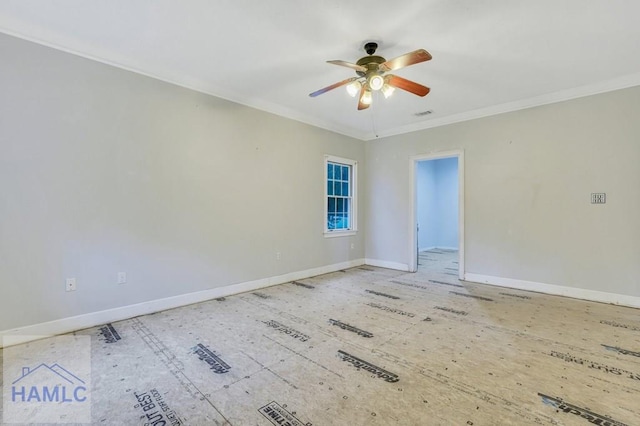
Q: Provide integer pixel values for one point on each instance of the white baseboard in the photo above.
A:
(576, 293)
(386, 264)
(66, 325)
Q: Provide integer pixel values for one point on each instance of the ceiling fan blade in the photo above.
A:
(405, 60)
(348, 65)
(362, 105)
(407, 85)
(333, 86)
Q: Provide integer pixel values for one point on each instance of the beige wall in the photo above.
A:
(103, 170)
(528, 179)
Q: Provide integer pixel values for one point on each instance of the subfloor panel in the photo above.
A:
(364, 346)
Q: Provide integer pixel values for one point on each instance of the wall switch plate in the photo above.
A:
(122, 277)
(278, 255)
(71, 284)
(598, 198)
(353, 246)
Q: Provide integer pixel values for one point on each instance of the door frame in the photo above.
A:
(413, 222)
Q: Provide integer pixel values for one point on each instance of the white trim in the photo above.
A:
(66, 325)
(386, 264)
(332, 234)
(413, 237)
(208, 89)
(618, 83)
(558, 290)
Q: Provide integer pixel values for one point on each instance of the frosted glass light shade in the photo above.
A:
(366, 98)
(354, 88)
(387, 90)
(376, 82)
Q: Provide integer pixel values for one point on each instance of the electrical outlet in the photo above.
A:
(353, 246)
(71, 284)
(122, 277)
(278, 255)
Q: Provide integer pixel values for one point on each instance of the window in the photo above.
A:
(340, 194)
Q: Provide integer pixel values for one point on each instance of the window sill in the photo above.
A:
(332, 234)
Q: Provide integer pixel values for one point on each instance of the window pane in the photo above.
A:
(344, 222)
(330, 222)
(331, 205)
(340, 194)
(344, 219)
(337, 222)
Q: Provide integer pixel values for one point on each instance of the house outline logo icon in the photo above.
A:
(48, 383)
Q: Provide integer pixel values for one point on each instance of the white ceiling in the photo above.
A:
(489, 56)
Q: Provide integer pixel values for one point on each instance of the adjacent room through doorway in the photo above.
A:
(437, 213)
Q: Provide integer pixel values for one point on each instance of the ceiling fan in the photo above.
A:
(372, 75)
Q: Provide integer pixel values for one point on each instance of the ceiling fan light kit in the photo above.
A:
(372, 75)
(366, 97)
(376, 82)
(354, 88)
(387, 90)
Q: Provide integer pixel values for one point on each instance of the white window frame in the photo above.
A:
(353, 214)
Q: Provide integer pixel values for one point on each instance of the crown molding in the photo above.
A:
(619, 83)
(204, 88)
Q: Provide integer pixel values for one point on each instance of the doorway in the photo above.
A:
(437, 208)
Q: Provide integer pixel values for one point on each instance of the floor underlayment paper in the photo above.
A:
(364, 346)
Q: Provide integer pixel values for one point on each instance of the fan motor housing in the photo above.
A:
(372, 64)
